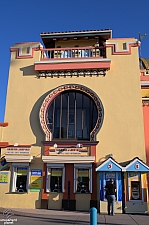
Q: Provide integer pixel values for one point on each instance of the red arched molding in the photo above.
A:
(52, 95)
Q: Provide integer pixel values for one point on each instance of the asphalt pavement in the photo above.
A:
(53, 217)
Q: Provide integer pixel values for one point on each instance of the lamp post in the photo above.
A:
(141, 36)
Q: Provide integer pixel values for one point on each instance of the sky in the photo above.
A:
(23, 21)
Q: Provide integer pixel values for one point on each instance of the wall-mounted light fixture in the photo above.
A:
(55, 145)
(15, 144)
(79, 145)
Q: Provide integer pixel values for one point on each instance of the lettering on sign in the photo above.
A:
(134, 176)
(18, 151)
(68, 151)
(110, 175)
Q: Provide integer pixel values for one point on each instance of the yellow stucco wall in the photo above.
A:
(123, 120)
(83, 201)
(1, 133)
(122, 130)
(55, 201)
(119, 92)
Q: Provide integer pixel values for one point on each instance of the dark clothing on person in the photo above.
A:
(110, 189)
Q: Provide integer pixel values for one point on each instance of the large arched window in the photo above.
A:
(72, 115)
(71, 112)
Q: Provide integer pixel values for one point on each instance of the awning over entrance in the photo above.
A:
(68, 159)
(109, 165)
(134, 165)
(19, 159)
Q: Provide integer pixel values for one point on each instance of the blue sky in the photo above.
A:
(23, 21)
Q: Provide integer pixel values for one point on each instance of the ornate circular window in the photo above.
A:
(71, 112)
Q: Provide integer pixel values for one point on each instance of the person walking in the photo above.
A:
(110, 191)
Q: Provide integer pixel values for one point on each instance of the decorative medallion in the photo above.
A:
(110, 166)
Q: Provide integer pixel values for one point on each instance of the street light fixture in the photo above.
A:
(141, 36)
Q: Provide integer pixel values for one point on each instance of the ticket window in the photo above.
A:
(20, 179)
(21, 182)
(55, 178)
(108, 176)
(105, 178)
(83, 180)
(134, 184)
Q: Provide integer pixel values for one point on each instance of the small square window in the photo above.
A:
(124, 46)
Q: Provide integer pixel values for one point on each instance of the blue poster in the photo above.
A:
(36, 173)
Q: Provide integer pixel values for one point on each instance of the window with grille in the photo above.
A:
(55, 178)
(82, 178)
(72, 115)
(20, 178)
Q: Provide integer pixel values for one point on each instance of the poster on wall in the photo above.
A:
(4, 164)
(3, 177)
(35, 180)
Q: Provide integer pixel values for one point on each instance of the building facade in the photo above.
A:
(144, 72)
(73, 120)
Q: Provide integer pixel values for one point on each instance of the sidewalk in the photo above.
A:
(78, 218)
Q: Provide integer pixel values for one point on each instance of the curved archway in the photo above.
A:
(70, 87)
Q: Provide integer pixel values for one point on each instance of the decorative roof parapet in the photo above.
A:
(124, 51)
(30, 48)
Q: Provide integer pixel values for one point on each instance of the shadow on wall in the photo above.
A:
(101, 160)
(35, 122)
(38, 202)
(28, 70)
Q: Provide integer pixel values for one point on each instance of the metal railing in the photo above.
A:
(76, 52)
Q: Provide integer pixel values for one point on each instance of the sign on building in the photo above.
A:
(35, 180)
(3, 177)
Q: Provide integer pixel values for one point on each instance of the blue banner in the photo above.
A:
(36, 173)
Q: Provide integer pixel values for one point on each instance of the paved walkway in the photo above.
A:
(54, 217)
